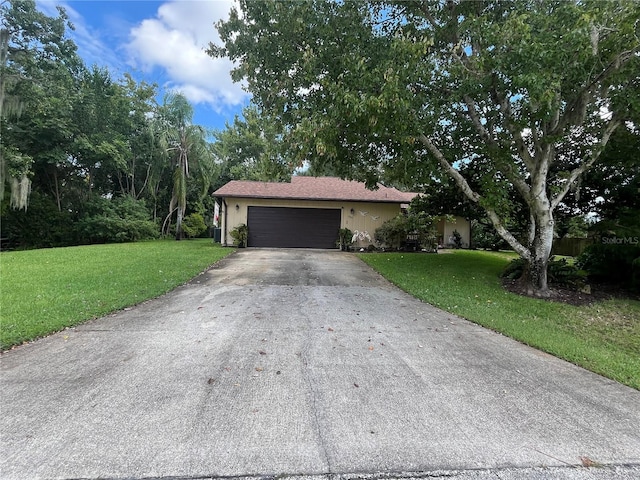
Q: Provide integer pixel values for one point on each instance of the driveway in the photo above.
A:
(303, 363)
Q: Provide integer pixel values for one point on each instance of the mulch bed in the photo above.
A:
(599, 292)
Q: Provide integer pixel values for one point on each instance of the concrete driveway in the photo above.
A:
(303, 363)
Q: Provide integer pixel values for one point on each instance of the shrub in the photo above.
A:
(117, 220)
(514, 269)
(611, 263)
(193, 225)
(42, 225)
(394, 233)
(345, 238)
(457, 239)
(559, 272)
(240, 234)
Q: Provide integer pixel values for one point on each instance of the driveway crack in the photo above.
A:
(314, 393)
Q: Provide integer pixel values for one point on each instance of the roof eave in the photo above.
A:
(311, 199)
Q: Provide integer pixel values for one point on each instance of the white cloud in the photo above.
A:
(91, 46)
(174, 42)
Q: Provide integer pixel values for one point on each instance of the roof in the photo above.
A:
(313, 188)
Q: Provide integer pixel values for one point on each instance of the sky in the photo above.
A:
(161, 42)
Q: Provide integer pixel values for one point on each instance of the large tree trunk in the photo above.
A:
(535, 277)
(540, 235)
(179, 224)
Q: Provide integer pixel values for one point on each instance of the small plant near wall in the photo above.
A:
(240, 234)
(457, 239)
(345, 237)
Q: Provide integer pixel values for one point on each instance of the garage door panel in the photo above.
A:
(293, 227)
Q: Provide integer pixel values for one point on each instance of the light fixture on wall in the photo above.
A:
(237, 207)
(352, 211)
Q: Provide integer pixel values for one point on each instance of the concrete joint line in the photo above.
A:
(604, 472)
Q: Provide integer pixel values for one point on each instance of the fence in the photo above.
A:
(571, 247)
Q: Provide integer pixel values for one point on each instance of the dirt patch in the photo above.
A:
(599, 292)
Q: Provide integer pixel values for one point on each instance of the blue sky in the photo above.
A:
(161, 42)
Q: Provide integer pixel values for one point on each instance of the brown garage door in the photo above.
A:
(293, 227)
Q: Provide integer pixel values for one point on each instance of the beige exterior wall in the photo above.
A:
(447, 227)
(356, 216)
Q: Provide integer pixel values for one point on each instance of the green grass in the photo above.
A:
(603, 337)
(43, 291)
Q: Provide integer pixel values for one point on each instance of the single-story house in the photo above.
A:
(308, 212)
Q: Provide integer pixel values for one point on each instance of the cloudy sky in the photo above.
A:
(161, 42)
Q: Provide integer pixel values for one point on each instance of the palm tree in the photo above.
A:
(183, 142)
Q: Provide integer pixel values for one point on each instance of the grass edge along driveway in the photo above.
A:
(46, 290)
(603, 337)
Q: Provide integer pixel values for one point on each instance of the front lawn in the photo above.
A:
(43, 291)
(603, 337)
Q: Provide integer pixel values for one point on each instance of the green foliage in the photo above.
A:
(193, 225)
(345, 238)
(42, 225)
(46, 290)
(612, 259)
(602, 337)
(240, 234)
(624, 225)
(394, 233)
(477, 91)
(251, 149)
(71, 134)
(616, 179)
(611, 263)
(515, 269)
(572, 227)
(484, 236)
(185, 145)
(37, 63)
(457, 239)
(117, 220)
(561, 272)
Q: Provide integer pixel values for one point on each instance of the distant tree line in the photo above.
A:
(88, 158)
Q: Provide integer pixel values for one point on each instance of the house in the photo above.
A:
(307, 212)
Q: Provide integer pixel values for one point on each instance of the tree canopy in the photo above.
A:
(527, 93)
(251, 148)
(88, 157)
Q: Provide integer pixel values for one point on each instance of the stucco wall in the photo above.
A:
(356, 216)
(446, 229)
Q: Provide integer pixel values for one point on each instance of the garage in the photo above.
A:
(305, 212)
(287, 227)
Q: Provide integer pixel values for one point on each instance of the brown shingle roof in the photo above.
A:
(314, 188)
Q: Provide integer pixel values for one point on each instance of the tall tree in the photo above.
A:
(186, 146)
(100, 143)
(613, 187)
(35, 59)
(410, 87)
(251, 149)
(142, 159)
